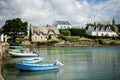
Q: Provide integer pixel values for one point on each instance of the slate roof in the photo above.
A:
(101, 28)
(61, 23)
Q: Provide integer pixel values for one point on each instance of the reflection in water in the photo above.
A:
(34, 73)
(80, 63)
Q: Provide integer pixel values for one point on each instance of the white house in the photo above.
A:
(3, 38)
(43, 32)
(62, 24)
(97, 31)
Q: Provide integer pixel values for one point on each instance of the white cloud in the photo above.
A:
(46, 11)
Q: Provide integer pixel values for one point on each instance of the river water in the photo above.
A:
(80, 63)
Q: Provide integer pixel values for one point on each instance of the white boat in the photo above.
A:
(32, 60)
(23, 54)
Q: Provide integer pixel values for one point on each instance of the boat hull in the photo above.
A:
(32, 67)
(18, 54)
(32, 60)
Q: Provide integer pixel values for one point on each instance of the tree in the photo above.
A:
(90, 24)
(113, 21)
(65, 32)
(100, 25)
(15, 28)
(77, 32)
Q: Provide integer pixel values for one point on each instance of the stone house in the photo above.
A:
(38, 33)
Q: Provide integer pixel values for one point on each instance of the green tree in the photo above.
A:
(90, 24)
(100, 25)
(77, 32)
(15, 28)
(113, 21)
(65, 32)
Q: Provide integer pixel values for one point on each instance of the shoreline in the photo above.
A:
(69, 44)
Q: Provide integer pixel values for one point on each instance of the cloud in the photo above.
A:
(78, 12)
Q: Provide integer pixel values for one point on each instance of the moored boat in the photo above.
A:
(15, 48)
(23, 54)
(24, 66)
(32, 60)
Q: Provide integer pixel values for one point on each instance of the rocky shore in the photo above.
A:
(80, 43)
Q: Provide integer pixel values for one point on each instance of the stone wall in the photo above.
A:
(1, 58)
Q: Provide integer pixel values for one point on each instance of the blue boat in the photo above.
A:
(32, 60)
(26, 66)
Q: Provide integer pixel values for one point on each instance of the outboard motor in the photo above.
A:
(34, 52)
(58, 63)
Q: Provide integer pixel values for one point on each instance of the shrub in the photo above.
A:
(71, 38)
(77, 32)
(19, 40)
(53, 40)
(65, 32)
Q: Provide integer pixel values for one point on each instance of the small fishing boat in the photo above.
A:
(23, 54)
(32, 60)
(15, 48)
(26, 66)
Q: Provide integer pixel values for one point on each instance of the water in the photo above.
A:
(80, 63)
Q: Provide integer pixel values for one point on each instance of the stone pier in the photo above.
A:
(1, 58)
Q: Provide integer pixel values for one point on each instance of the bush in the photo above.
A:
(53, 40)
(77, 32)
(71, 38)
(19, 40)
(38, 42)
(65, 32)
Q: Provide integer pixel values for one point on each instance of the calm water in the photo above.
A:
(80, 63)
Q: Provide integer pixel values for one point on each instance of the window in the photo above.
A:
(61, 27)
(68, 27)
(64, 27)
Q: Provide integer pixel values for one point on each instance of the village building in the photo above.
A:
(62, 24)
(38, 33)
(3, 37)
(100, 31)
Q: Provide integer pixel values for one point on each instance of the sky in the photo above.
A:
(77, 12)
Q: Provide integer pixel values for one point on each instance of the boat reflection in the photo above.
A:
(35, 73)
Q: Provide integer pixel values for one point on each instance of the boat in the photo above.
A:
(23, 54)
(32, 60)
(32, 67)
(15, 48)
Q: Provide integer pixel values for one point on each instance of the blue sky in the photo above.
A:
(78, 12)
(92, 1)
(96, 1)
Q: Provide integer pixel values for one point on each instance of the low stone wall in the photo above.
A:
(1, 58)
